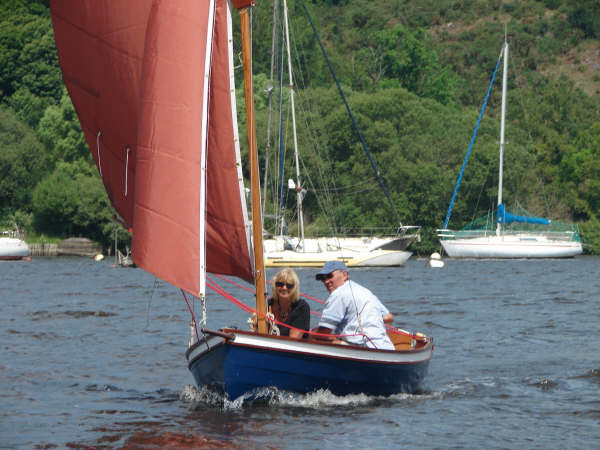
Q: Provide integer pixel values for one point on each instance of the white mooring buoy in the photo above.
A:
(435, 260)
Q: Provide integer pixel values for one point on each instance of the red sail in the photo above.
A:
(100, 49)
(153, 77)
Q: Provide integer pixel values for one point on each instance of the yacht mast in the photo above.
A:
(298, 185)
(504, 80)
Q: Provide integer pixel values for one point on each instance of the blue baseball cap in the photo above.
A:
(329, 267)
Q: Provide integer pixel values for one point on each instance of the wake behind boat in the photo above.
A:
(153, 87)
(502, 234)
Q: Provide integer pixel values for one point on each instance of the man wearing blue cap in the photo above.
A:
(351, 312)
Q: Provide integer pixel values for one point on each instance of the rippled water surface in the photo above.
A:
(93, 356)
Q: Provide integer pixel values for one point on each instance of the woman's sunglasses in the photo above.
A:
(324, 277)
(287, 285)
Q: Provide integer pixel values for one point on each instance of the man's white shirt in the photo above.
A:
(353, 311)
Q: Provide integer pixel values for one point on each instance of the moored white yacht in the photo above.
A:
(12, 247)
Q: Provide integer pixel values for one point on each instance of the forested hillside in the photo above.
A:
(414, 74)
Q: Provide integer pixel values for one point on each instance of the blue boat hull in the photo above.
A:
(237, 369)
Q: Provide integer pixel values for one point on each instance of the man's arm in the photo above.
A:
(327, 331)
(322, 330)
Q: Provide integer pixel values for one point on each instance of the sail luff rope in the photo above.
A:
(464, 165)
(204, 151)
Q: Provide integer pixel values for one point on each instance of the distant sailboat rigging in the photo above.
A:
(286, 250)
(502, 234)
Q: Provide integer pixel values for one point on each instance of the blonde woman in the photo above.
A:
(286, 305)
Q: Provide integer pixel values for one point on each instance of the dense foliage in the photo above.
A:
(414, 75)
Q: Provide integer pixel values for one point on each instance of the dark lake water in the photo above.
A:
(92, 356)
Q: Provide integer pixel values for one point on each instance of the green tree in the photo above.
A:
(30, 78)
(585, 15)
(407, 56)
(580, 170)
(60, 132)
(22, 163)
(72, 202)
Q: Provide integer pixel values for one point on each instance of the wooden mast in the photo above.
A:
(259, 266)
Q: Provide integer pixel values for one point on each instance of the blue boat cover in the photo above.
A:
(506, 217)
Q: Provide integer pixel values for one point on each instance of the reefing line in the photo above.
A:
(126, 168)
(98, 151)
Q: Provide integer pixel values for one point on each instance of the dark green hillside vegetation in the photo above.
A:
(22, 162)
(30, 78)
(414, 75)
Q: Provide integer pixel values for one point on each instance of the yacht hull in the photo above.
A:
(513, 246)
(377, 258)
(13, 249)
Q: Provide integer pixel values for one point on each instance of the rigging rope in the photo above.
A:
(269, 89)
(311, 110)
(195, 324)
(218, 289)
(356, 128)
(464, 165)
(281, 142)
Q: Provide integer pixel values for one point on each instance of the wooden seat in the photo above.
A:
(401, 341)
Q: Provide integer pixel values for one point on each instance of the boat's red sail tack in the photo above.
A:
(152, 85)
